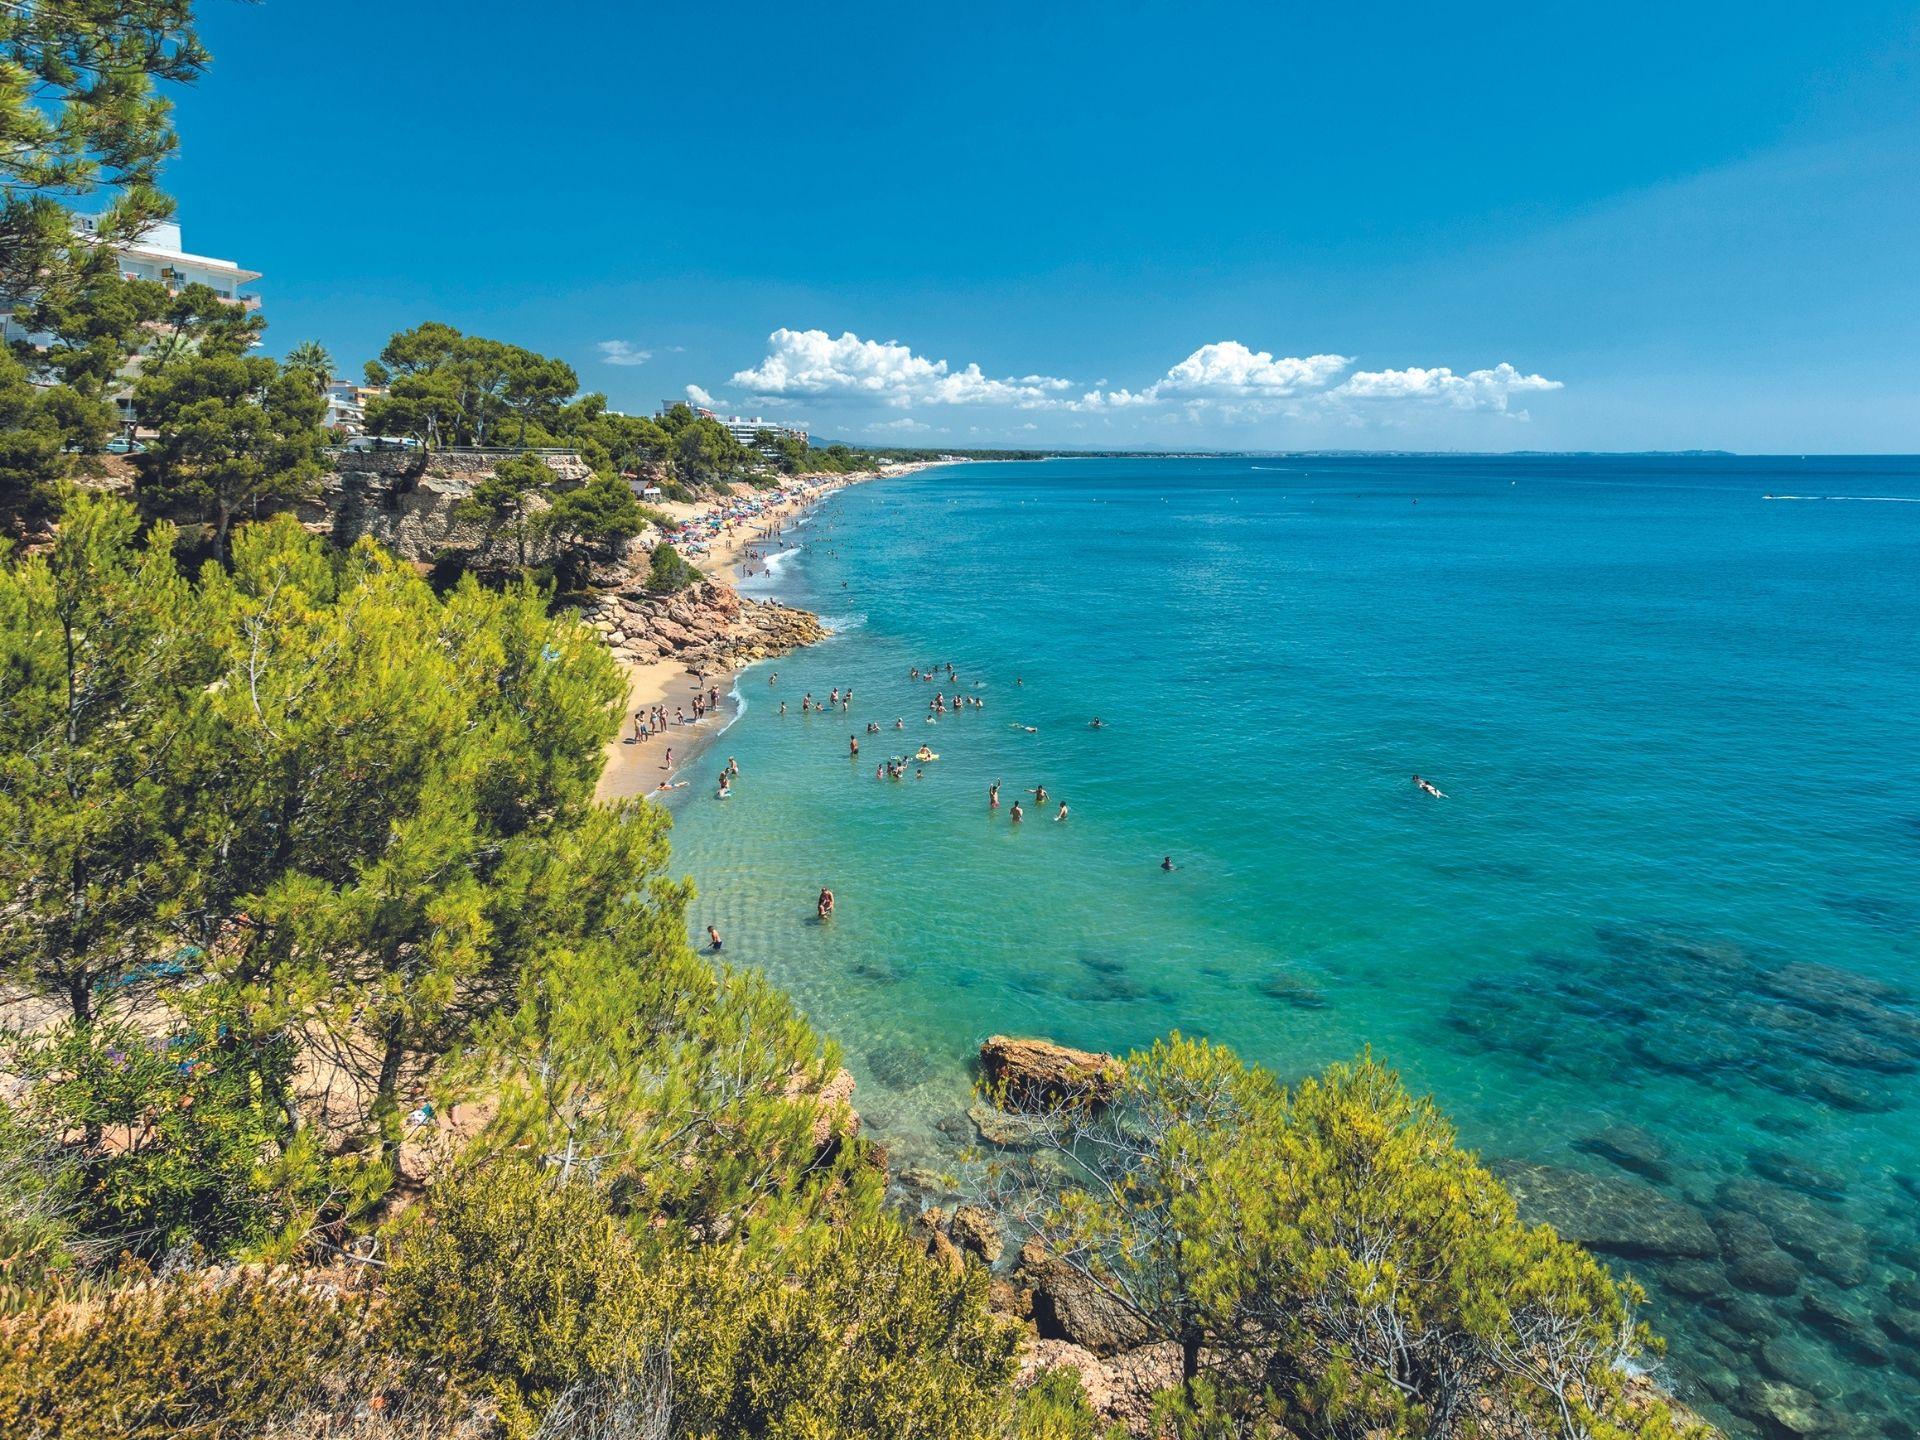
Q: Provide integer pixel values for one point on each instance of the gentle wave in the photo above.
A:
(1881, 499)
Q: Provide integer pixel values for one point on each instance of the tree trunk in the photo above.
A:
(223, 522)
(80, 998)
(384, 1101)
(1189, 1358)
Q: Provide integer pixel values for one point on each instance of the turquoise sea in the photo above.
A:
(1657, 952)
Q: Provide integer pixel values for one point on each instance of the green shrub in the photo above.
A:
(519, 1288)
(849, 1330)
(171, 1131)
(191, 1358)
(528, 1291)
(670, 571)
(1055, 1407)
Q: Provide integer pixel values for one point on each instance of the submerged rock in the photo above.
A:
(1788, 1408)
(1291, 988)
(1796, 1173)
(900, 1067)
(1629, 1147)
(1612, 1214)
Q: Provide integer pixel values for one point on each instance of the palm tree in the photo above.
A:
(312, 357)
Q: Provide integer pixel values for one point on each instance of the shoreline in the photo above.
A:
(633, 767)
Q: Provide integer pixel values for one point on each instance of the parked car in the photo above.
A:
(121, 445)
(361, 444)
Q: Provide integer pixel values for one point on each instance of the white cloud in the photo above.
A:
(1228, 381)
(700, 397)
(1476, 390)
(623, 352)
(812, 362)
(1227, 371)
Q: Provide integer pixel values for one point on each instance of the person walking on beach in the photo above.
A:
(824, 905)
(669, 764)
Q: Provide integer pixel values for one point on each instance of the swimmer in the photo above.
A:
(713, 936)
(824, 905)
(1429, 787)
(1016, 814)
(1039, 793)
(1063, 813)
(1167, 863)
(1096, 723)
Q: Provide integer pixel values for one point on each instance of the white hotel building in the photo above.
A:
(159, 255)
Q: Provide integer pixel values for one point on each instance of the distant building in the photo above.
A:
(741, 427)
(156, 254)
(347, 405)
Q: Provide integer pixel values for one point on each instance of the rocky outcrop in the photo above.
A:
(974, 1229)
(407, 500)
(1038, 1073)
(708, 624)
(835, 1121)
(1067, 1305)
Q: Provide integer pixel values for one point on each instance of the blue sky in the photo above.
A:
(1207, 226)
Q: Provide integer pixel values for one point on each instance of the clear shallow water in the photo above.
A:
(1676, 886)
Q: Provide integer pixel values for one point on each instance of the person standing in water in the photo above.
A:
(1063, 812)
(993, 796)
(824, 905)
(713, 936)
(853, 747)
(1167, 863)
(1016, 814)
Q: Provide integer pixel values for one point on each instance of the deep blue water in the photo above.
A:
(1675, 886)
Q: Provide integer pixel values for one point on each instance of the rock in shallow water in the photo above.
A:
(1788, 1409)
(1629, 1147)
(1609, 1213)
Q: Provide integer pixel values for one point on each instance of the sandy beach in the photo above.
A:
(639, 767)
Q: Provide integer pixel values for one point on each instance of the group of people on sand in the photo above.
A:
(651, 720)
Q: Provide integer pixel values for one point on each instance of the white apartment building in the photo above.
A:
(743, 429)
(158, 254)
